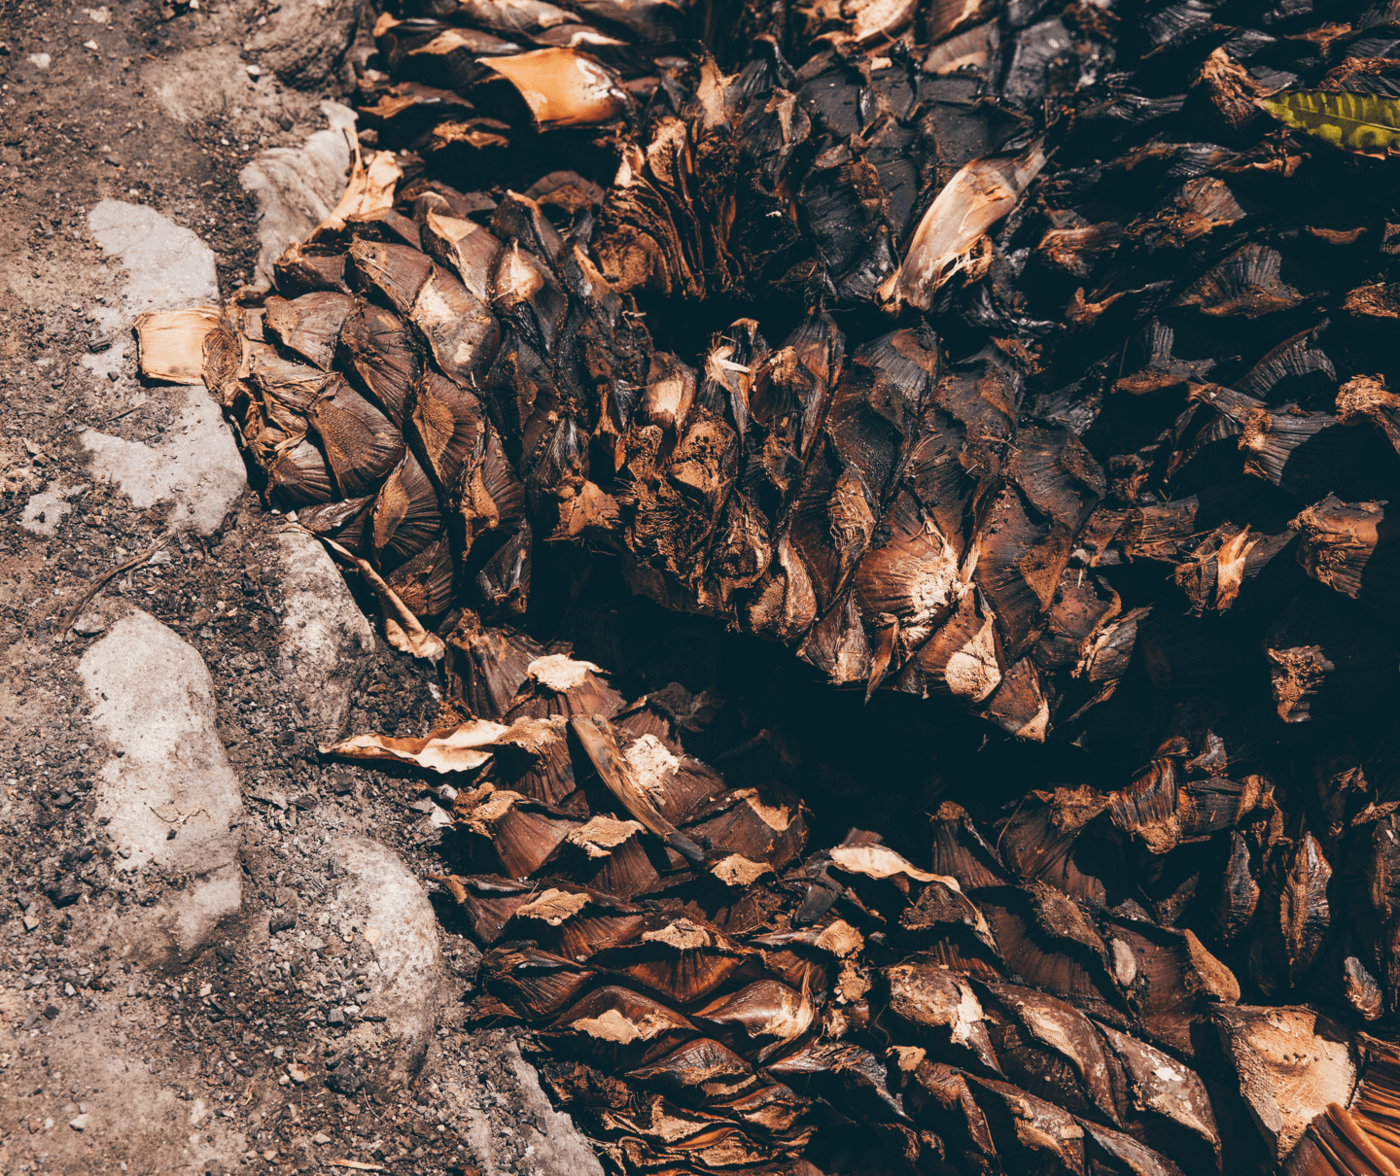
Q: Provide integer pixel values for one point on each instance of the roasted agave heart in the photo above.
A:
(997, 360)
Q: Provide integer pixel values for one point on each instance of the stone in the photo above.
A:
(89, 624)
(197, 464)
(346, 1078)
(305, 41)
(324, 634)
(153, 696)
(42, 512)
(168, 265)
(204, 80)
(80, 1123)
(558, 1146)
(268, 795)
(296, 187)
(406, 979)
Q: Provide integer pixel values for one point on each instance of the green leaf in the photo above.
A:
(1365, 123)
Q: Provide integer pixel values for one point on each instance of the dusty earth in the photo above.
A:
(217, 951)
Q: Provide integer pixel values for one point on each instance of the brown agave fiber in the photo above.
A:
(1005, 361)
(711, 992)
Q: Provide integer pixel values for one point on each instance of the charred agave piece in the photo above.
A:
(1365, 399)
(1215, 573)
(361, 443)
(1272, 1050)
(1324, 658)
(1357, 1134)
(1132, 397)
(1351, 548)
(534, 982)
(784, 490)
(1004, 998)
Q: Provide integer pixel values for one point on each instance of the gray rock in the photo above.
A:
(346, 1078)
(209, 79)
(169, 265)
(198, 465)
(325, 635)
(559, 1147)
(296, 187)
(90, 623)
(563, 1148)
(42, 512)
(153, 697)
(406, 979)
(305, 41)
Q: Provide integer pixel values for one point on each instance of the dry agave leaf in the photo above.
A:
(562, 88)
(171, 343)
(879, 861)
(371, 187)
(559, 684)
(1368, 124)
(763, 1010)
(596, 735)
(404, 631)
(451, 749)
(939, 1005)
(947, 239)
(880, 20)
(622, 1026)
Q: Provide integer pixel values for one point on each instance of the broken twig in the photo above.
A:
(110, 574)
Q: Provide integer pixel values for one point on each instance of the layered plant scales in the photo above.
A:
(1010, 370)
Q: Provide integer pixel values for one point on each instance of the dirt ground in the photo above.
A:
(260, 1051)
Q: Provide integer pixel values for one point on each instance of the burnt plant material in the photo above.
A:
(698, 969)
(912, 509)
(789, 425)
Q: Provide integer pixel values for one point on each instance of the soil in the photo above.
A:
(186, 1066)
